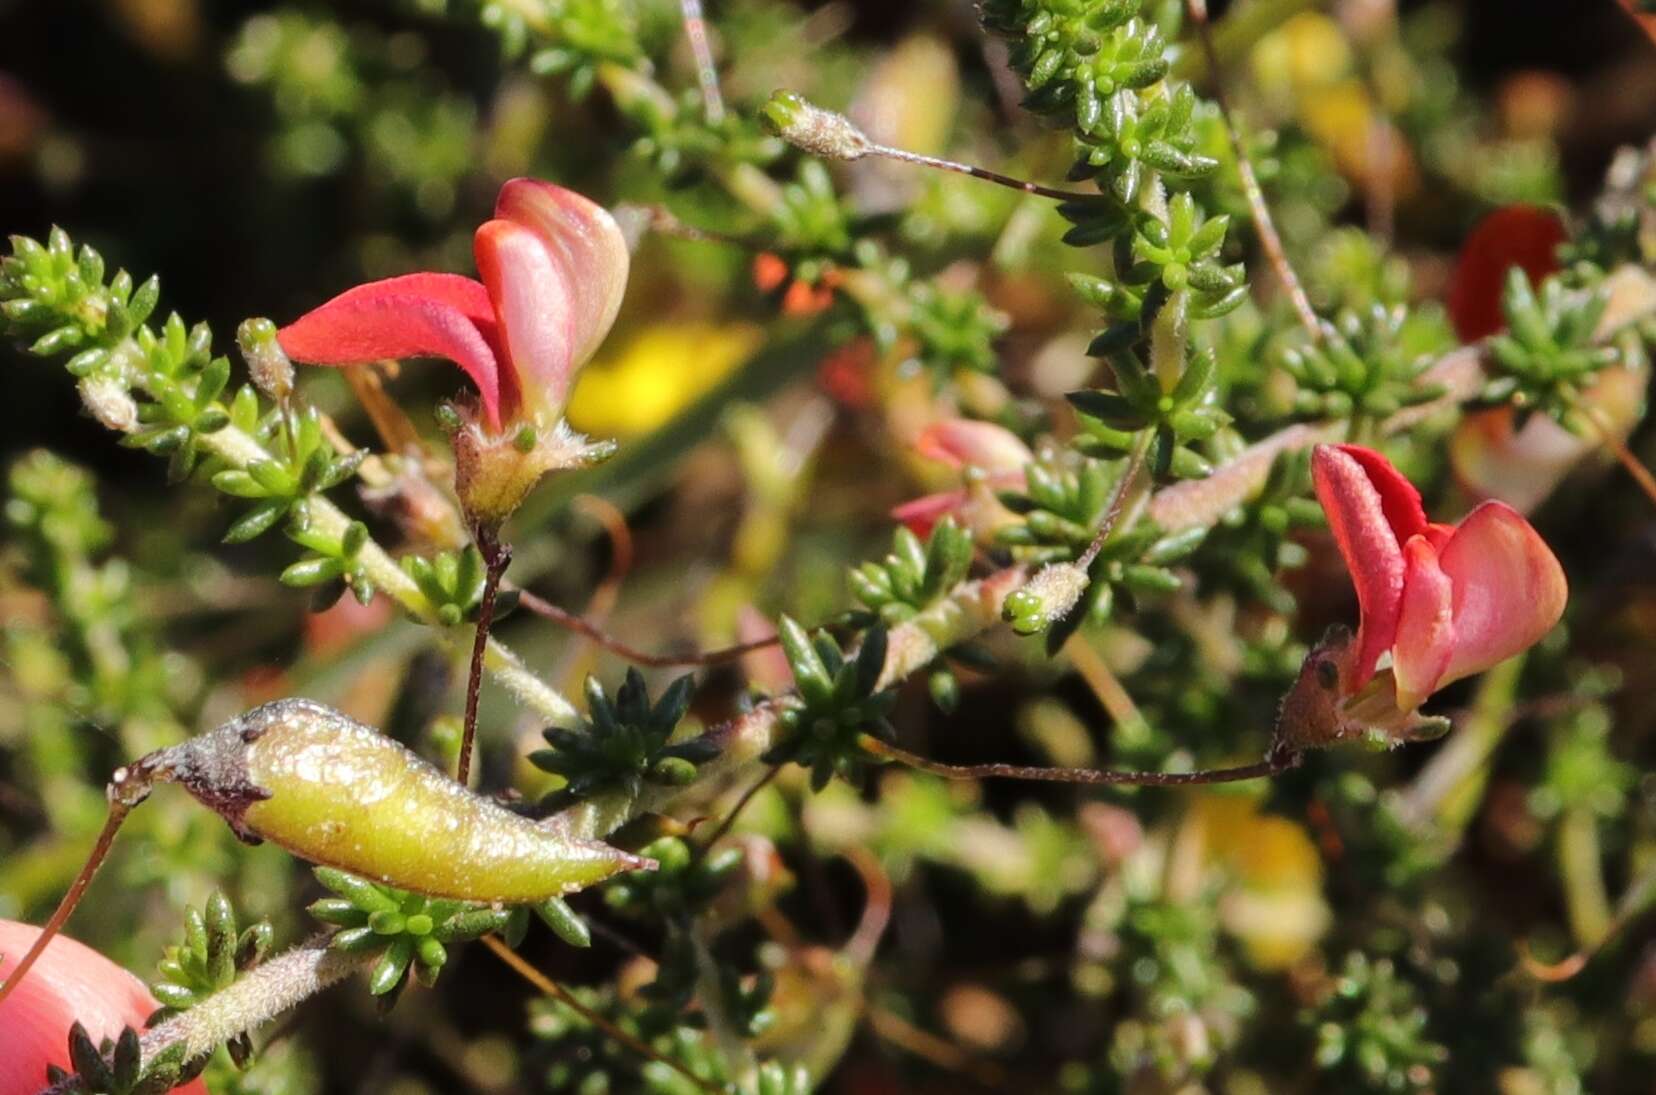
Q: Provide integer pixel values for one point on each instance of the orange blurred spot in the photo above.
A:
(769, 271)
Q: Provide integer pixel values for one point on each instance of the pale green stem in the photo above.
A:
(1578, 861)
(239, 450)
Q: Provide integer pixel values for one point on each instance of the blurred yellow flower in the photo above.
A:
(655, 374)
(1275, 906)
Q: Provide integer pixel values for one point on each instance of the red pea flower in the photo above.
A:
(553, 266)
(1525, 236)
(70, 983)
(1437, 602)
(997, 454)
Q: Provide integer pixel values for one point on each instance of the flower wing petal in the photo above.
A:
(1509, 590)
(534, 302)
(1425, 625)
(417, 315)
(921, 514)
(586, 244)
(1373, 554)
(959, 442)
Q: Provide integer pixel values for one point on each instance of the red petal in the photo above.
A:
(532, 297)
(1425, 625)
(922, 513)
(417, 315)
(1515, 235)
(1357, 515)
(959, 442)
(1398, 497)
(588, 247)
(71, 981)
(1509, 588)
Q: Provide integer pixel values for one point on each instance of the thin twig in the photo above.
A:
(496, 557)
(551, 988)
(741, 804)
(1274, 764)
(707, 72)
(929, 1047)
(1129, 475)
(564, 618)
(117, 813)
(1618, 448)
(1266, 227)
(981, 173)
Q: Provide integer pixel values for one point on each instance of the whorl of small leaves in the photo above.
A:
(837, 702)
(1248, 548)
(623, 743)
(1371, 1031)
(914, 575)
(408, 932)
(451, 580)
(1364, 368)
(114, 1066)
(213, 954)
(1546, 357)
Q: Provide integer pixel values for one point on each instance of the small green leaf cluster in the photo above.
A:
(682, 885)
(1101, 69)
(1371, 1031)
(585, 35)
(1580, 772)
(838, 701)
(1181, 251)
(1546, 357)
(956, 329)
(408, 932)
(682, 144)
(813, 225)
(114, 1066)
(452, 581)
(623, 743)
(914, 575)
(333, 563)
(213, 954)
(1364, 368)
(303, 463)
(1180, 417)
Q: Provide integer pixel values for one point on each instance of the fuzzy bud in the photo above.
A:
(812, 129)
(269, 366)
(1046, 598)
(109, 401)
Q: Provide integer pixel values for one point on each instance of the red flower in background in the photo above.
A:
(70, 983)
(997, 453)
(1525, 236)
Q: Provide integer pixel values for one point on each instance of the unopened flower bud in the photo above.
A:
(812, 129)
(109, 401)
(269, 366)
(1046, 598)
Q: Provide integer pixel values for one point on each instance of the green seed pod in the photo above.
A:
(338, 793)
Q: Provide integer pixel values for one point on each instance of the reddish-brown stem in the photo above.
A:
(1618, 448)
(1276, 762)
(551, 988)
(117, 813)
(1263, 224)
(564, 618)
(741, 804)
(496, 558)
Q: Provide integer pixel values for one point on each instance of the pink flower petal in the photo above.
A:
(70, 982)
(1398, 497)
(532, 297)
(960, 442)
(1425, 625)
(587, 246)
(416, 315)
(1373, 555)
(1509, 588)
(922, 513)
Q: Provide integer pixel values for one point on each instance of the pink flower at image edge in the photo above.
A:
(70, 982)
